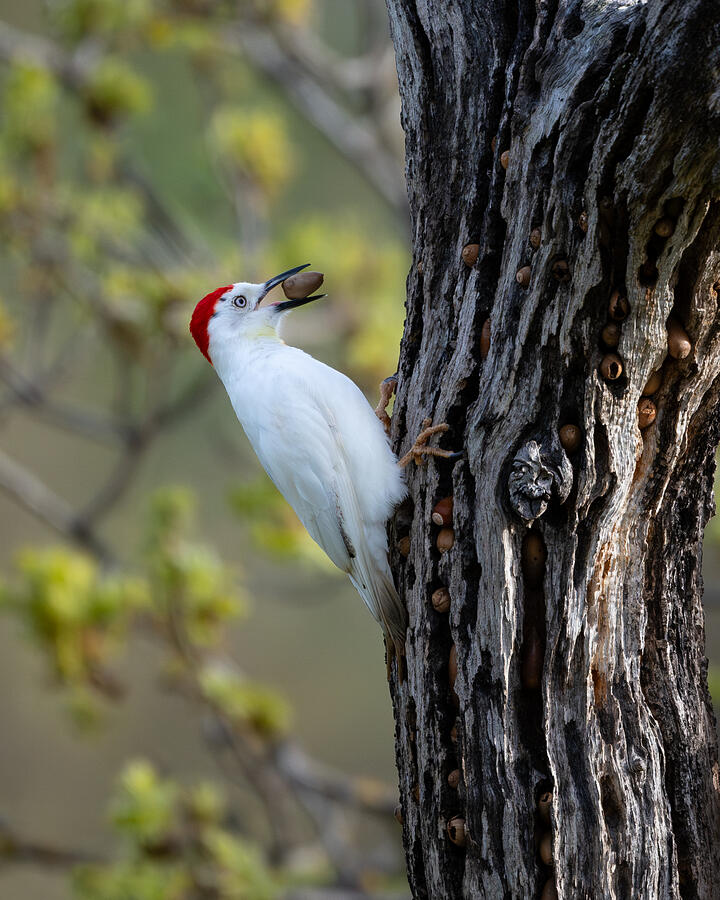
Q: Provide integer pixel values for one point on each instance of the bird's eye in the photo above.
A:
(240, 302)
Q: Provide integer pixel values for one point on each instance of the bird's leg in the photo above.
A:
(387, 389)
(420, 448)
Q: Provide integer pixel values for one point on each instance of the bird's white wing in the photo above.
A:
(322, 446)
(300, 451)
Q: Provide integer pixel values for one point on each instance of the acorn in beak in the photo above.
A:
(297, 287)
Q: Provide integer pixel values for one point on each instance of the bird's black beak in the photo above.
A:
(285, 305)
(278, 279)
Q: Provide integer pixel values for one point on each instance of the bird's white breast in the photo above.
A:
(288, 403)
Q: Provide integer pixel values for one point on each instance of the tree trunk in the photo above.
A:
(575, 574)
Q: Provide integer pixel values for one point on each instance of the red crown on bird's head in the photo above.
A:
(201, 318)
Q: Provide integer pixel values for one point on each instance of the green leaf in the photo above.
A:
(245, 702)
(242, 872)
(144, 806)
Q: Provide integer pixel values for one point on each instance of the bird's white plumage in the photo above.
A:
(321, 444)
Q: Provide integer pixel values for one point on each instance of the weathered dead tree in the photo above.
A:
(577, 145)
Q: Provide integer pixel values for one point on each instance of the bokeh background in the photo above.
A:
(194, 701)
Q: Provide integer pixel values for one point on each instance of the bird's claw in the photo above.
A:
(420, 449)
(387, 389)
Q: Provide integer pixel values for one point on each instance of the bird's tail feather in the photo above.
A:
(375, 585)
(370, 570)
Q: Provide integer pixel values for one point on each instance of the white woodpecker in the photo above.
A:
(314, 433)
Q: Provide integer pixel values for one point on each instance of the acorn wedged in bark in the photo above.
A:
(505, 159)
(570, 438)
(560, 271)
(611, 335)
(646, 412)
(454, 778)
(457, 831)
(532, 661)
(452, 666)
(654, 384)
(403, 545)
(679, 344)
(442, 511)
(399, 814)
(535, 238)
(441, 600)
(523, 276)
(302, 285)
(618, 307)
(544, 804)
(583, 222)
(611, 367)
(533, 557)
(545, 849)
(470, 253)
(648, 273)
(664, 227)
(445, 539)
(485, 339)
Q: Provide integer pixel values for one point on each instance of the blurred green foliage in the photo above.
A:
(243, 702)
(100, 256)
(183, 594)
(76, 614)
(77, 217)
(30, 102)
(255, 142)
(177, 846)
(186, 579)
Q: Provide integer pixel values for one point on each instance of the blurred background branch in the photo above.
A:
(308, 77)
(149, 151)
(15, 849)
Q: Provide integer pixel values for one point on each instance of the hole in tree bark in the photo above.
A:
(529, 701)
(648, 274)
(612, 802)
(687, 271)
(573, 24)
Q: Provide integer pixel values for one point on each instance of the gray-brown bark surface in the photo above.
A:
(611, 110)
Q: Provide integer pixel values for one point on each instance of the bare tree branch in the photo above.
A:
(31, 493)
(137, 441)
(325, 65)
(117, 482)
(334, 893)
(17, 45)
(369, 795)
(16, 849)
(33, 396)
(353, 136)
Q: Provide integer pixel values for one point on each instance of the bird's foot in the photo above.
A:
(419, 449)
(387, 389)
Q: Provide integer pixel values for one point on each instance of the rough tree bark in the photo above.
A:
(611, 115)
